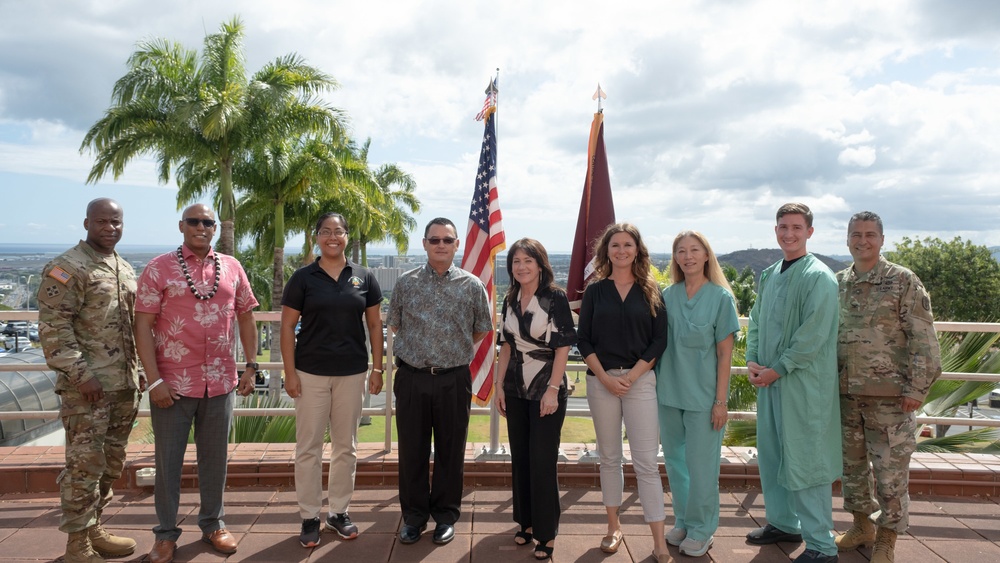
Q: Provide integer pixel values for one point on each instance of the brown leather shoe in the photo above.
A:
(163, 551)
(221, 540)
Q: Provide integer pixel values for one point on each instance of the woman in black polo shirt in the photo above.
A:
(325, 372)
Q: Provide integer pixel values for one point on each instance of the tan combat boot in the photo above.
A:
(861, 533)
(109, 545)
(885, 546)
(79, 550)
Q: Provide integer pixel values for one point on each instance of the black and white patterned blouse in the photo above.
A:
(533, 335)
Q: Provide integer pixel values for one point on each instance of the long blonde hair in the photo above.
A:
(713, 271)
(641, 270)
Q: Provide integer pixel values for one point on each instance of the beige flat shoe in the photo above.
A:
(611, 543)
(663, 557)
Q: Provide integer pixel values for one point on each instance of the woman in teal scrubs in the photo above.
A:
(692, 387)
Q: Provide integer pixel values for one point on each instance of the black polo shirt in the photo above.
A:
(331, 340)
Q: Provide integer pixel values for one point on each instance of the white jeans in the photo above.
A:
(333, 400)
(638, 409)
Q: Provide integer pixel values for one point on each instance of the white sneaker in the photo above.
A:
(676, 535)
(696, 548)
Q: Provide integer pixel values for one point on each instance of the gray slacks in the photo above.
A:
(171, 426)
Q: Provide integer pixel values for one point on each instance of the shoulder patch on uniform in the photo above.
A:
(51, 292)
(60, 275)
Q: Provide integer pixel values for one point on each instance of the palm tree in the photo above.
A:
(390, 218)
(279, 178)
(743, 284)
(200, 116)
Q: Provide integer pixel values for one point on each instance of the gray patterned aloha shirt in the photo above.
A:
(435, 316)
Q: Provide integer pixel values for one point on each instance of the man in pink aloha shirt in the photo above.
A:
(188, 303)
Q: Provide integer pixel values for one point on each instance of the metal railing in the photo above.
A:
(388, 411)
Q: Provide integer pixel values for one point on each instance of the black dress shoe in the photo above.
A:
(769, 534)
(411, 534)
(813, 556)
(444, 533)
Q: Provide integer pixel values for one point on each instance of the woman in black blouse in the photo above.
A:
(623, 330)
(531, 389)
(326, 368)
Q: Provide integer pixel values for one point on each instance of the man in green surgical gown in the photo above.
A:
(792, 360)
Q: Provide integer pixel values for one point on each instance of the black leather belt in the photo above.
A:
(433, 370)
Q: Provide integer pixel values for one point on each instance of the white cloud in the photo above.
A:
(718, 112)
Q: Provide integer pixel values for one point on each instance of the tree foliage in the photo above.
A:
(198, 115)
(962, 278)
(744, 287)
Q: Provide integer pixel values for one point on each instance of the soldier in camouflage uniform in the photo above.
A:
(888, 357)
(86, 304)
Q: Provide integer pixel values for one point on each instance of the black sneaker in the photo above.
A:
(310, 533)
(341, 523)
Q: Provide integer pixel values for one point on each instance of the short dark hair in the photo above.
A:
(795, 209)
(440, 221)
(331, 215)
(866, 216)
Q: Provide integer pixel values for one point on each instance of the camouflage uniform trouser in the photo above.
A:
(876, 431)
(96, 437)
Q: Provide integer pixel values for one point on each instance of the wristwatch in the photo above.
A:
(254, 365)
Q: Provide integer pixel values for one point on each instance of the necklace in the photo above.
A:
(190, 282)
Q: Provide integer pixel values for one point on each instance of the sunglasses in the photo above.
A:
(194, 222)
(434, 241)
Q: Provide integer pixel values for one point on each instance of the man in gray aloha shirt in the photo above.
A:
(438, 313)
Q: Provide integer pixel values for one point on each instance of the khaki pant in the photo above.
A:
(639, 411)
(335, 401)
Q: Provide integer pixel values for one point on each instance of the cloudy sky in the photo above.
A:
(717, 112)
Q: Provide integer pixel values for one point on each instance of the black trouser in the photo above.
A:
(427, 404)
(534, 452)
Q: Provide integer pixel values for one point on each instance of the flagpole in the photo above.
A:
(494, 412)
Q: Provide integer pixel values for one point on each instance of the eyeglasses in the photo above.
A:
(194, 222)
(328, 232)
(434, 241)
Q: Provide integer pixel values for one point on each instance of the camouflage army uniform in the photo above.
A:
(887, 349)
(86, 306)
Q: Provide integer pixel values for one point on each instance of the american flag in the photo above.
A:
(484, 239)
(490, 102)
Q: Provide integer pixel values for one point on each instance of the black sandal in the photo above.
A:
(522, 535)
(544, 550)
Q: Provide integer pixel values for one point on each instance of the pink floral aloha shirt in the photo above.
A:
(194, 338)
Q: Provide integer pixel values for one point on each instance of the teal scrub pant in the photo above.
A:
(806, 511)
(692, 450)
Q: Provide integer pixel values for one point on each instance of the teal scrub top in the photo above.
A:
(687, 373)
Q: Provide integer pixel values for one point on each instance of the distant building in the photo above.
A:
(387, 277)
(391, 261)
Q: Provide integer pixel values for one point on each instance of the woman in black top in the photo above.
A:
(531, 389)
(623, 330)
(325, 372)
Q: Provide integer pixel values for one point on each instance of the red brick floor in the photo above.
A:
(266, 522)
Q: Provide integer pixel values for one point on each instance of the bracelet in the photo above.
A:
(153, 386)
(376, 370)
(718, 403)
(556, 387)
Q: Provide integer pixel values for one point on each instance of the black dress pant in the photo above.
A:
(429, 404)
(534, 453)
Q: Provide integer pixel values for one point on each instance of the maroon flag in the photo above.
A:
(484, 239)
(597, 211)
